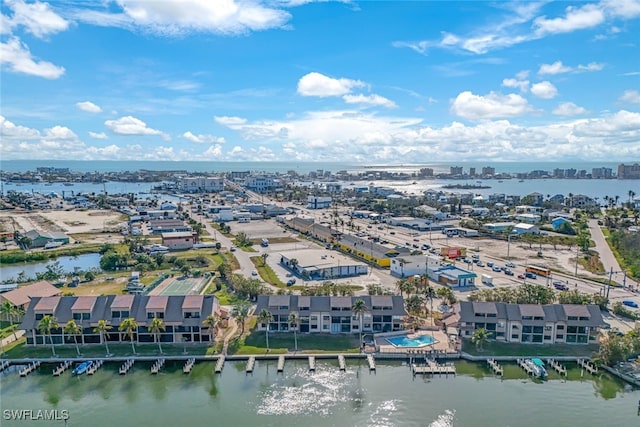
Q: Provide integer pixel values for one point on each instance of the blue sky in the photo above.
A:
(372, 81)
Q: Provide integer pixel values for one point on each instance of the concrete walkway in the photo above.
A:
(11, 338)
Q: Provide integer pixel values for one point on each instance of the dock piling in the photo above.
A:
(95, 366)
(188, 365)
(61, 368)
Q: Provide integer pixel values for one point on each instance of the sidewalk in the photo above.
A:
(11, 338)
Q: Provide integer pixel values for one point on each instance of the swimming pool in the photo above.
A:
(405, 341)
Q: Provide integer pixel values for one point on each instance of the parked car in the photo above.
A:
(254, 273)
(475, 256)
(467, 260)
(508, 272)
(490, 264)
(291, 282)
(630, 303)
(425, 247)
(496, 269)
(510, 265)
(232, 248)
(480, 264)
(520, 276)
(530, 275)
(560, 286)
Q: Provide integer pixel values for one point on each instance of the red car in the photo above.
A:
(520, 276)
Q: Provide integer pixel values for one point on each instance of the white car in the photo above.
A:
(510, 265)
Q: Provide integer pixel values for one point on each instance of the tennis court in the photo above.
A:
(180, 286)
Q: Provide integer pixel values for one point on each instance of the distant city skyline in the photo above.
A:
(327, 81)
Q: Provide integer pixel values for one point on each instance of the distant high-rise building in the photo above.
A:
(629, 171)
(558, 173)
(570, 173)
(426, 172)
(472, 171)
(488, 170)
(600, 173)
(456, 170)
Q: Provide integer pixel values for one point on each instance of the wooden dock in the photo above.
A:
(588, 366)
(433, 368)
(219, 364)
(126, 366)
(312, 363)
(523, 365)
(29, 368)
(495, 367)
(250, 364)
(4, 365)
(155, 368)
(372, 362)
(281, 363)
(342, 362)
(561, 369)
(97, 364)
(61, 368)
(188, 365)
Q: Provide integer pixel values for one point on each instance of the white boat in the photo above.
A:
(537, 367)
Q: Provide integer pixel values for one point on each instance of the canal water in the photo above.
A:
(67, 263)
(389, 397)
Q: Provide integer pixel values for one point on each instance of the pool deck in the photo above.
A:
(441, 343)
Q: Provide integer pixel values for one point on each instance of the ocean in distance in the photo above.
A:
(300, 167)
(389, 397)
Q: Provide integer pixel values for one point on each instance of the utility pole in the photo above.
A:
(577, 256)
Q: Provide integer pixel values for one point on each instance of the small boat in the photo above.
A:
(81, 368)
(538, 368)
(522, 180)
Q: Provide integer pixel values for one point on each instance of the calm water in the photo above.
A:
(327, 398)
(68, 264)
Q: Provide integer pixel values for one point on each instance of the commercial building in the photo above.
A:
(385, 313)
(532, 323)
(201, 184)
(183, 317)
(319, 264)
(412, 265)
(179, 240)
(315, 202)
(39, 239)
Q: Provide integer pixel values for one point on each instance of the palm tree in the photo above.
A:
(294, 320)
(72, 328)
(264, 258)
(102, 328)
(45, 325)
(157, 326)
(129, 326)
(7, 310)
(430, 294)
(265, 317)
(211, 321)
(294, 264)
(240, 313)
(359, 308)
(479, 337)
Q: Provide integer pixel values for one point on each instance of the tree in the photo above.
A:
(45, 326)
(414, 304)
(72, 328)
(479, 337)
(185, 270)
(102, 328)
(240, 313)
(3, 240)
(294, 264)
(264, 258)
(265, 317)
(7, 310)
(430, 294)
(211, 322)
(129, 326)
(156, 327)
(294, 320)
(359, 308)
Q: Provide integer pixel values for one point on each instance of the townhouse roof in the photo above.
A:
(585, 315)
(23, 294)
(273, 303)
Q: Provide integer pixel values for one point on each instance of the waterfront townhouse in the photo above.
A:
(183, 317)
(532, 323)
(385, 313)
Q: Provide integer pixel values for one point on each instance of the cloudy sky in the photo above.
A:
(368, 81)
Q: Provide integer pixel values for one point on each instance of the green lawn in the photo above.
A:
(494, 348)
(226, 298)
(282, 342)
(266, 272)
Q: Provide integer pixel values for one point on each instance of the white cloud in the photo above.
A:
(523, 85)
(203, 139)
(98, 135)
(16, 57)
(316, 84)
(229, 121)
(544, 90)
(373, 99)
(559, 68)
(630, 96)
(178, 17)
(576, 18)
(626, 9)
(89, 107)
(129, 125)
(493, 105)
(569, 109)
(36, 18)
(555, 68)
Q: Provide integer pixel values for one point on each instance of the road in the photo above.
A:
(607, 258)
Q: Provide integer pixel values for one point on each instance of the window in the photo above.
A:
(560, 327)
(314, 318)
(39, 316)
(547, 337)
(515, 336)
(85, 316)
(548, 328)
(326, 327)
(572, 317)
(559, 336)
(492, 315)
(77, 316)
